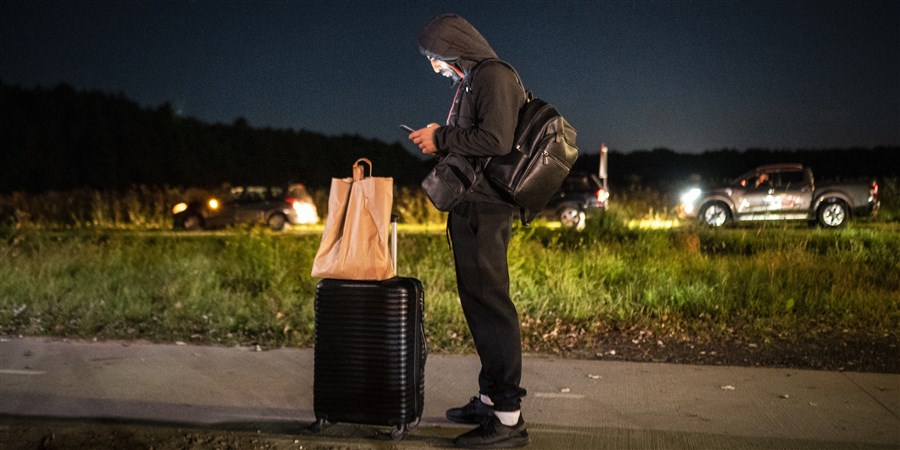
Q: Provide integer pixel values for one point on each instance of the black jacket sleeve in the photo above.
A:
(488, 117)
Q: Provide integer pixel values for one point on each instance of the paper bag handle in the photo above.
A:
(359, 171)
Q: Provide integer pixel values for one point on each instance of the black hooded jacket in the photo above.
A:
(484, 119)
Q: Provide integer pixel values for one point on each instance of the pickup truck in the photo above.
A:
(782, 192)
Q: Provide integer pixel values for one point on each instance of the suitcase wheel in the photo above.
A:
(399, 432)
(316, 426)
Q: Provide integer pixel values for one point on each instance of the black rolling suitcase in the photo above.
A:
(370, 352)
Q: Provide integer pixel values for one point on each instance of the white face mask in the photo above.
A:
(444, 69)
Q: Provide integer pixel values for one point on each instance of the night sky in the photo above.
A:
(686, 75)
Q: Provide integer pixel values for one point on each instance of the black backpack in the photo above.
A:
(542, 156)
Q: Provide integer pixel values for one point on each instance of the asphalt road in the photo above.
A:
(572, 404)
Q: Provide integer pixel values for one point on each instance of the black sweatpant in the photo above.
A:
(480, 235)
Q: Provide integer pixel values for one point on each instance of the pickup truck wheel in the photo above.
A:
(715, 214)
(833, 214)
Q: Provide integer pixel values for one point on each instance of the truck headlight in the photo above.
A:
(689, 198)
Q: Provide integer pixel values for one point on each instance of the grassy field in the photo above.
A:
(251, 286)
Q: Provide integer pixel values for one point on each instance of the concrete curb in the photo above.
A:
(571, 403)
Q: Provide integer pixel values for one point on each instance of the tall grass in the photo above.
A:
(248, 287)
(253, 286)
(149, 208)
(140, 207)
(144, 207)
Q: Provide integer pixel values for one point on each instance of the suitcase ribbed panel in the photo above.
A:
(370, 351)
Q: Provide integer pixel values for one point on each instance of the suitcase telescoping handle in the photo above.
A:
(394, 219)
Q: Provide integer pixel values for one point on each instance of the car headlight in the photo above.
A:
(689, 198)
(179, 208)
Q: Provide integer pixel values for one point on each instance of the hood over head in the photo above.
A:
(451, 38)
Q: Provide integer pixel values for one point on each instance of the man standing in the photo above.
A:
(481, 123)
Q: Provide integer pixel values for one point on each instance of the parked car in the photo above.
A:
(270, 205)
(782, 192)
(581, 195)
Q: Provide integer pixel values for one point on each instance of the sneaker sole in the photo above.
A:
(468, 421)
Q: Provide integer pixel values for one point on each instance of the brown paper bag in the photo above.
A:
(354, 244)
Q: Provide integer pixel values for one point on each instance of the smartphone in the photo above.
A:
(406, 128)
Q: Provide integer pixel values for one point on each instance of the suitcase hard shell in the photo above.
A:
(370, 353)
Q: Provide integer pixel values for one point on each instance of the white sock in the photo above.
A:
(486, 400)
(508, 418)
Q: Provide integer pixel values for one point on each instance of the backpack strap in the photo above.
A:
(468, 79)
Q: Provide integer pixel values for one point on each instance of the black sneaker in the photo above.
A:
(474, 412)
(493, 434)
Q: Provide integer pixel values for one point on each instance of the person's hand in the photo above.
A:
(424, 138)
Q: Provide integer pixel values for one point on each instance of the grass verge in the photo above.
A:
(253, 286)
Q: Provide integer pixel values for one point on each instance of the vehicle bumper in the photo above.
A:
(686, 211)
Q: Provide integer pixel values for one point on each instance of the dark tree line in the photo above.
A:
(61, 138)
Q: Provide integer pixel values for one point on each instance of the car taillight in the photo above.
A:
(291, 201)
(602, 195)
(873, 189)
